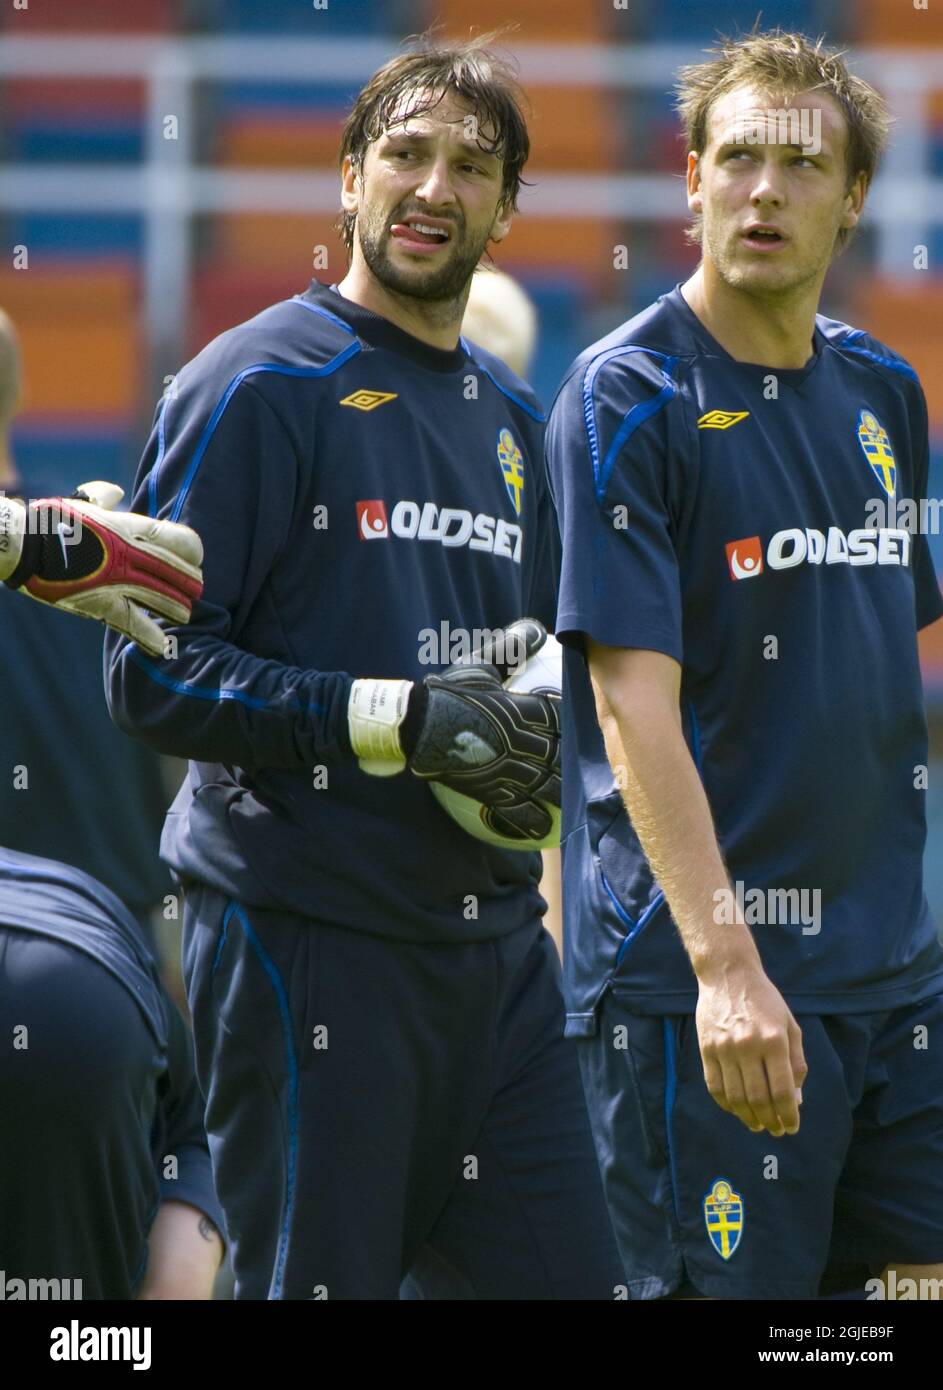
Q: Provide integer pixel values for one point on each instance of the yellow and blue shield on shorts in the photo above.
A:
(723, 1215)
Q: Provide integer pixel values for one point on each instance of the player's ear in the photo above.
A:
(695, 201)
(351, 184)
(502, 222)
(854, 202)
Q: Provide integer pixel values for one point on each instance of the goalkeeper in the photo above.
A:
(376, 1006)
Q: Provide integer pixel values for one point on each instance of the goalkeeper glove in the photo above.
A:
(76, 554)
(462, 728)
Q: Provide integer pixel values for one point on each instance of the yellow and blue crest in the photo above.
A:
(874, 441)
(512, 467)
(723, 1216)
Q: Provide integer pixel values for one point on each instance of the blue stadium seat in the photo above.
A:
(559, 329)
(700, 20)
(99, 139)
(55, 459)
(70, 234)
(339, 17)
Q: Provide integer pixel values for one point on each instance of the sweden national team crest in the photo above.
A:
(723, 1216)
(872, 436)
(512, 466)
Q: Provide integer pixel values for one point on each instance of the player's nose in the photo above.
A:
(436, 188)
(767, 187)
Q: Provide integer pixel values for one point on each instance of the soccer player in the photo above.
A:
(377, 1012)
(746, 747)
(104, 1169)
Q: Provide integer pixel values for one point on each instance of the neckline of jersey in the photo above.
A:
(793, 376)
(380, 332)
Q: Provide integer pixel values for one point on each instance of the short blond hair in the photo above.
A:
(782, 64)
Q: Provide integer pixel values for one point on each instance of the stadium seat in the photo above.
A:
(349, 16)
(93, 16)
(888, 23)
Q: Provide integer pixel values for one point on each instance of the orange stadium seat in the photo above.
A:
(537, 20)
(265, 240)
(286, 140)
(908, 320)
(577, 248)
(81, 341)
(571, 128)
(891, 22)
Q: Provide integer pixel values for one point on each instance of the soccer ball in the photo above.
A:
(541, 674)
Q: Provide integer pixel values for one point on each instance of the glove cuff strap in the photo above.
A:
(13, 539)
(375, 711)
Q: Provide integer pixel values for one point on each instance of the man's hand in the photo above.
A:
(462, 728)
(76, 554)
(751, 1049)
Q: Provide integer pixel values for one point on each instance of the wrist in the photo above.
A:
(375, 714)
(729, 951)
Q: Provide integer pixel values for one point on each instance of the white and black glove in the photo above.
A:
(77, 554)
(462, 728)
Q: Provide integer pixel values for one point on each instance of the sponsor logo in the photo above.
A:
(888, 545)
(723, 1216)
(368, 400)
(372, 523)
(876, 447)
(450, 526)
(745, 558)
(721, 419)
(512, 467)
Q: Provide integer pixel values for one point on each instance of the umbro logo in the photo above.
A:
(721, 419)
(368, 400)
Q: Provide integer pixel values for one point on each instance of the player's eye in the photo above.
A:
(804, 159)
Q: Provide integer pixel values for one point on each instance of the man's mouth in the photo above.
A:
(763, 238)
(421, 233)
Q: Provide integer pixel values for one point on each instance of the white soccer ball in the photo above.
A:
(541, 674)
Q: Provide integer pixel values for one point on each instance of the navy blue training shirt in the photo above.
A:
(706, 506)
(361, 496)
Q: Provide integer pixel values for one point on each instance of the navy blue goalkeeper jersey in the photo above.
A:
(740, 520)
(368, 504)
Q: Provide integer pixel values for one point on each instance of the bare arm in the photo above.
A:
(751, 1046)
(184, 1253)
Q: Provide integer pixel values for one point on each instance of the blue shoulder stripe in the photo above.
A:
(896, 364)
(602, 469)
(207, 435)
(523, 405)
(325, 313)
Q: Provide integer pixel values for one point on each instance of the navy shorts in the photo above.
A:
(77, 1174)
(377, 1109)
(697, 1199)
